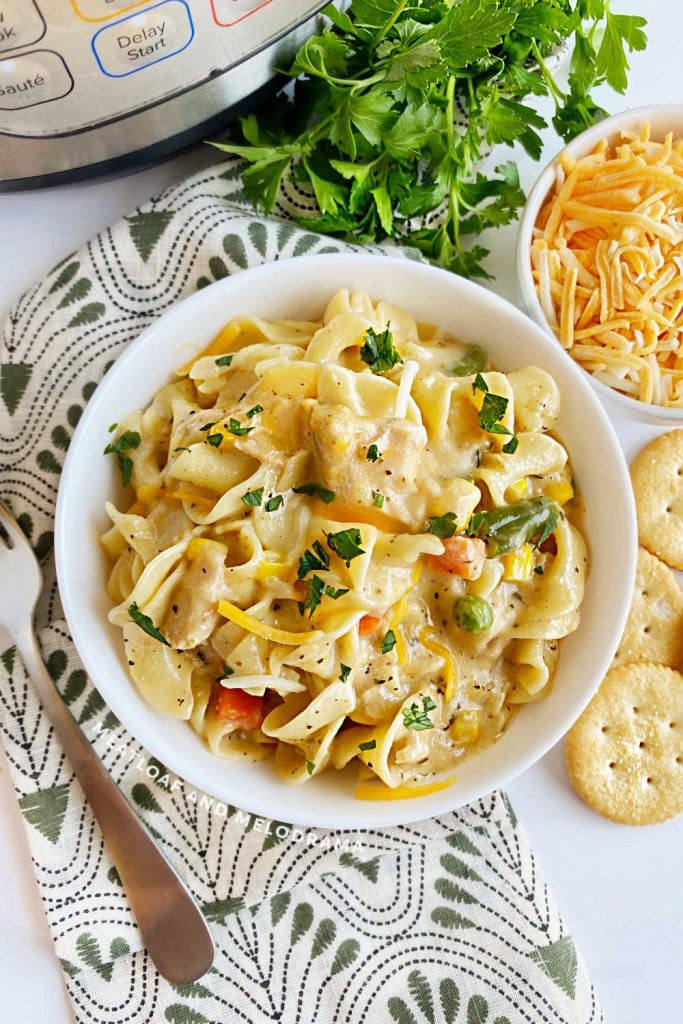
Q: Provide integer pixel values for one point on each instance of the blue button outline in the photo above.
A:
(121, 21)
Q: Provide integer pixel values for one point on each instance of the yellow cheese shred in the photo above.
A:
(277, 636)
(399, 614)
(450, 670)
(378, 791)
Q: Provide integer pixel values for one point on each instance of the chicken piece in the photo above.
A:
(339, 441)
(192, 615)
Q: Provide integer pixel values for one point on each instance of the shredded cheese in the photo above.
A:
(400, 609)
(607, 262)
(450, 670)
(277, 636)
(378, 791)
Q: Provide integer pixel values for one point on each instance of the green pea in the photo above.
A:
(473, 614)
(473, 360)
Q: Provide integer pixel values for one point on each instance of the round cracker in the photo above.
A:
(625, 752)
(654, 630)
(657, 475)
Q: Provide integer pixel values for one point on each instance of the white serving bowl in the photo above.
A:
(300, 288)
(663, 118)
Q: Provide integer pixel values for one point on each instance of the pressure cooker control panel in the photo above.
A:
(66, 65)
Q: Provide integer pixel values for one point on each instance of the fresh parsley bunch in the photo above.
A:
(373, 125)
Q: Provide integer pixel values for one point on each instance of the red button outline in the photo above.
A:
(229, 24)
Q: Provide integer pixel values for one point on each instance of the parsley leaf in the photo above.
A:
(418, 718)
(378, 350)
(398, 102)
(315, 490)
(315, 587)
(369, 745)
(234, 427)
(227, 671)
(377, 499)
(129, 439)
(207, 426)
(253, 412)
(389, 642)
(310, 767)
(345, 672)
(473, 360)
(146, 624)
(443, 526)
(373, 453)
(492, 410)
(253, 498)
(479, 384)
(224, 360)
(273, 504)
(316, 560)
(214, 440)
(511, 446)
(346, 544)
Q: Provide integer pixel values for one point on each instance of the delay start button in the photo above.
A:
(33, 78)
(144, 38)
(21, 24)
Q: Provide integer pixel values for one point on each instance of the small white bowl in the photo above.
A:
(300, 288)
(663, 118)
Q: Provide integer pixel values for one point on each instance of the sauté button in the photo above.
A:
(230, 12)
(32, 78)
(144, 38)
(21, 24)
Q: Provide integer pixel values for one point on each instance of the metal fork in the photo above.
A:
(173, 929)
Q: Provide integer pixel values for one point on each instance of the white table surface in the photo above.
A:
(618, 888)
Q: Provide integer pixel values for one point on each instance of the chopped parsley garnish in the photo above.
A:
(111, 428)
(370, 745)
(345, 672)
(224, 360)
(313, 561)
(389, 641)
(373, 454)
(346, 544)
(539, 569)
(234, 427)
(475, 523)
(310, 767)
(253, 498)
(253, 412)
(207, 426)
(180, 448)
(315, 490)
(215, 440)
(377, 499)
(316, 589)
(492, 410)
(416, 718)
(273, 504)
(146, 624)
(227, 671)
(129, 439)
(378, 350)
(443, 526)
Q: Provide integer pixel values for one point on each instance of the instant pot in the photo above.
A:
(100, 86)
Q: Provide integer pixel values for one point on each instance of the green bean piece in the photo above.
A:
(473, 614)
(473, 360)
(507, 528)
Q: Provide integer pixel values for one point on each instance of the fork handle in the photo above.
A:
(173, 928)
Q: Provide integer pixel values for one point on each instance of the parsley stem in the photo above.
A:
(555, 90)
(398, 11)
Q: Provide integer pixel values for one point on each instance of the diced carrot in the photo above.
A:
(463, 556)
(369, 624)
(239, 707)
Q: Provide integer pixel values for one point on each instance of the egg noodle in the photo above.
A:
(347, 543)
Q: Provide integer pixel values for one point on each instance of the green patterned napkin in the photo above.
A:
(443, 922)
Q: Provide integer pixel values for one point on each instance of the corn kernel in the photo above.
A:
(561, 492)
(198, 546)
(465, 728)
(518, 565)
(265, 569)
(517, 491)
